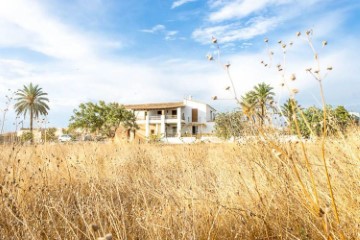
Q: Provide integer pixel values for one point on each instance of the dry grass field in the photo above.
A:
(199, 191)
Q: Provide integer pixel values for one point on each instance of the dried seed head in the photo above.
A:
(278, 66)
(316, 71)
(94, 227)
(291, 43)
(276, 153)
(308, 69)
(213, 40)
(108, 236)
(279, 42)
(271, 53)
(214, 97)
(227, 88)
(262, 62)
(266, 40)
(283, 45)
(298, 34)
(265, 64)
(282, 84)
(308, 32)
(324, 43)
(294, 90)
(280, 69)
(227, 65)
(293, 77)
(329, 68)
(210, 57)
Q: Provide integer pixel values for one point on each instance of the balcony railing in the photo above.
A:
(158, 117)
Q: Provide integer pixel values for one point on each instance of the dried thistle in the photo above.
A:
(210, 57)
(283, 45)
(324, 43)
(266, 40)
(294, 90)
(227, 88)
(279, 42)
(214, 97)
(298, 34)
(308, 69)
(213, 40)
(329, 68)
(293, 77)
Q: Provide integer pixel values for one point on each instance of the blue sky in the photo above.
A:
(155, 50)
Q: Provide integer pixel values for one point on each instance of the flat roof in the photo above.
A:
(154, 106)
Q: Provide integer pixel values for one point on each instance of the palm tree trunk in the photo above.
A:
(31, 126)
(262, 114)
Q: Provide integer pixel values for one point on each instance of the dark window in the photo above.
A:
(174, 112)
(159, 112)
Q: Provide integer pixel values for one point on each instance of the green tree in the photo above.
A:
(31, 99)
(230, 124)
(290, 111)
(102, 118)
(259, 100)
(343, 117)
(49, 134)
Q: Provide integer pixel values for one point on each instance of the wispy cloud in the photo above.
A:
(178, 3)
(237, 9)
(236, 31)
(28, 25)
(170, 35)
(154, 29)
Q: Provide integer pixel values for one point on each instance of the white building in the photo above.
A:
(174, 119)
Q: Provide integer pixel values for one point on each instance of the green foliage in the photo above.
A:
(257, 102)
(230, 124)
(27, 136)
(31, 100)
(311, 121)
(50, 135)
(289, 111)
(102, 118)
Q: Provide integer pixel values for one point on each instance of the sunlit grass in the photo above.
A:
(202, 191)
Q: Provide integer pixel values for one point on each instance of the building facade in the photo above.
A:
(174, 119)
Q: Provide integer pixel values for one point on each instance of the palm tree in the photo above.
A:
(289, 110)
(31, 99)
(262, 98)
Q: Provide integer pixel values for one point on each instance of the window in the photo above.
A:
(174, 112)
(159, 112)
(152, 131)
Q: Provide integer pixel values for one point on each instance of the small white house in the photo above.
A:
(174, 119)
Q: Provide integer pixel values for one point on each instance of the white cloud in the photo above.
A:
(237, 9)
(155, 29)
(170, 35)
(179, 3)
(235, 31)
(28, 25)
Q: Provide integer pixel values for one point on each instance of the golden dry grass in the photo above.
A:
(202, 191)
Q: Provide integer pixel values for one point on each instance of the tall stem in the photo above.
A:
(31, 124)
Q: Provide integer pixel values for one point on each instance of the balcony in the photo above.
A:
(157, 119)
